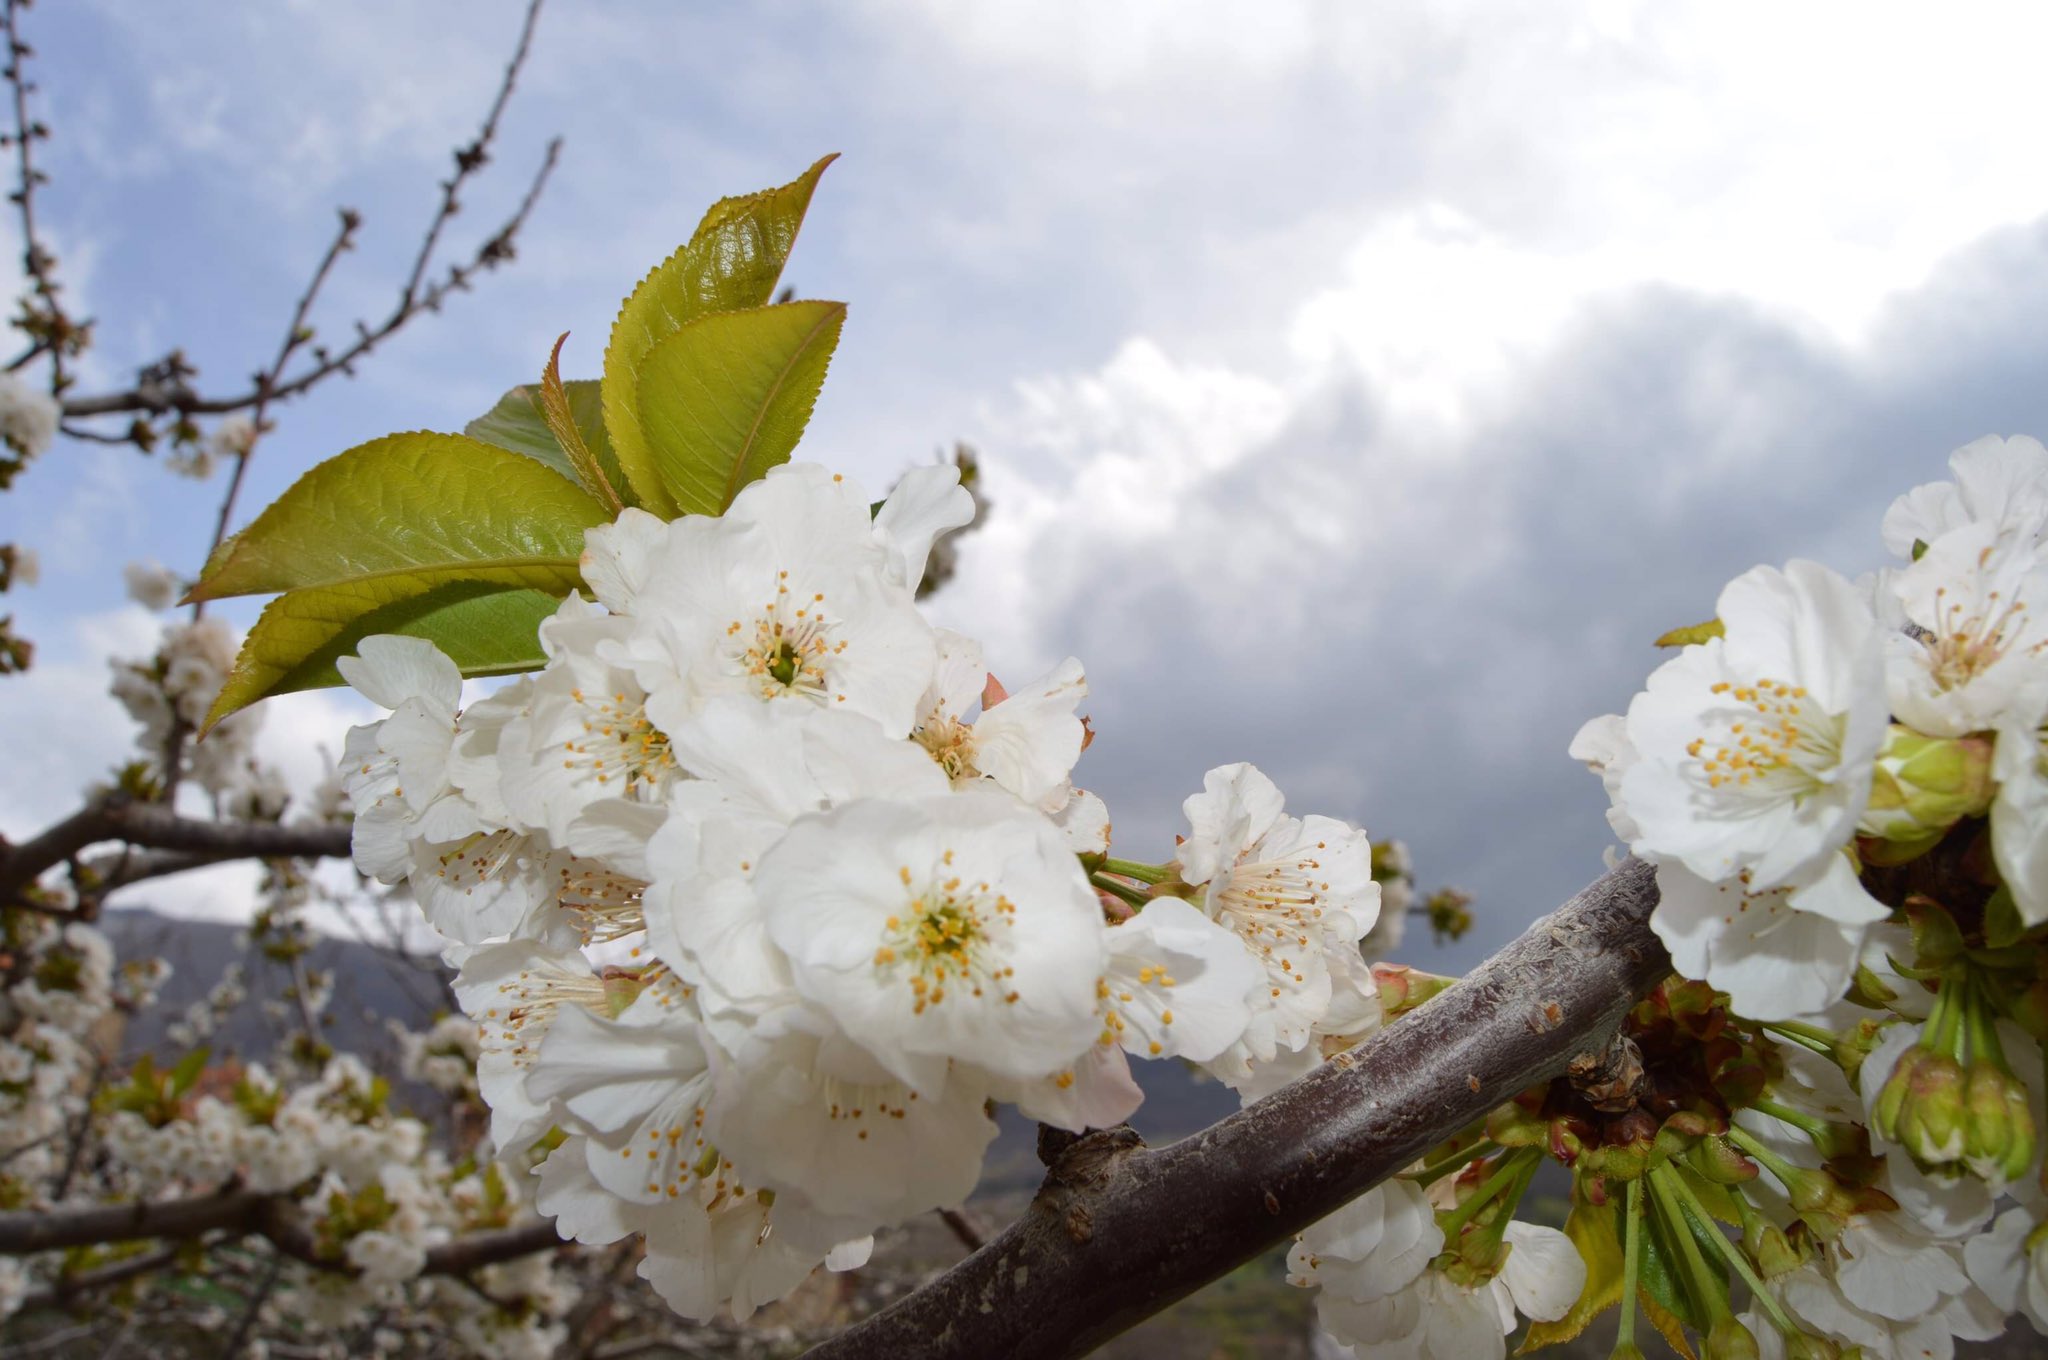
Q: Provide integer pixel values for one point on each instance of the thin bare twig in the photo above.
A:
(57, 329)
(253, 1308)
(965, 1227)
(65, 1288)
(420, 293)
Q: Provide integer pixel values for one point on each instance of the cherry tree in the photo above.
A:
(759, 893)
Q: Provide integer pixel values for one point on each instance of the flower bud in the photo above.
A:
(1625, 1350)
(1930, 1115)
(1728, 1339)
(1402, 988)
(1998, 1136)
(1768, 1246)
(1716, 1159)
(1801, 1346)
(1922, 786)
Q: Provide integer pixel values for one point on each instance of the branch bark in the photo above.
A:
(160, 828)
(1118, 1232)
(244, 1212)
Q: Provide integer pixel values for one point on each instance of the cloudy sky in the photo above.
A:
(1361, 387)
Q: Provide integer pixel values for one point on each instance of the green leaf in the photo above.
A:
(1657, 1273)
(518, 423)
(403, 504)
(1592, 1229)
(1693, 635)
(560, 415)
(727, 397)
(730, 264)
(182, 1077)
(486, 625)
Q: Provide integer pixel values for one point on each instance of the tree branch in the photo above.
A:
(1117, 1232)
(49, 328)
(244, 1212)
(419, 293)
(159, 828)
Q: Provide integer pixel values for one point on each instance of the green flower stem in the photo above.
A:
(1706, 1286)
(1511, 1171)
(1123, 891)
(1826, 1038)
(1729, 1252)
(1983, 1023)
(1786, 1173)
(1787, 1031)
(1631, 1263)
(1437, 1170)
(1945, 1022)
(1807, 1124)
(1144, 873)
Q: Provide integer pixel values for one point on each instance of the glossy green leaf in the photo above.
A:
(1593, 1230)
(403, 504)
(518, 423)
(727, 397)
(486, 625)
(730, 264)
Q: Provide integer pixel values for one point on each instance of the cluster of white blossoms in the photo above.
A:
(28, 417)
(1844, 790)
(1834, 724)
(366, 1182)
(171, 692)
(763, 889)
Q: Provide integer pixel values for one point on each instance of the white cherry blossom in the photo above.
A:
(952, 928)
(1755, 750)
(1297, 890)
(788, 597)
(2000, 482)
(1780, 952)
(1978, 635)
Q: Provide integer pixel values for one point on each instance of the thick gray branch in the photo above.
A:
(1118, 1233)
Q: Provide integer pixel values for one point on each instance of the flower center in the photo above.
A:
(619, 740)
(789, 649)
(951, 743)
(604, 903)
(1779, 745)
(479, 858)
(944, 938)
(1966, 641)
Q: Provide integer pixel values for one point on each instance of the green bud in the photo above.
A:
(1625, 1350)
(1768, 1246)
(1936, 940)
(1803, 1347)
(1998, 1137)
(1930, 1122)
(1513, 1126)
(1866, 988)
(1716, 1159)
(1924, 785)
(1402, 988)
(1728, 1339)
